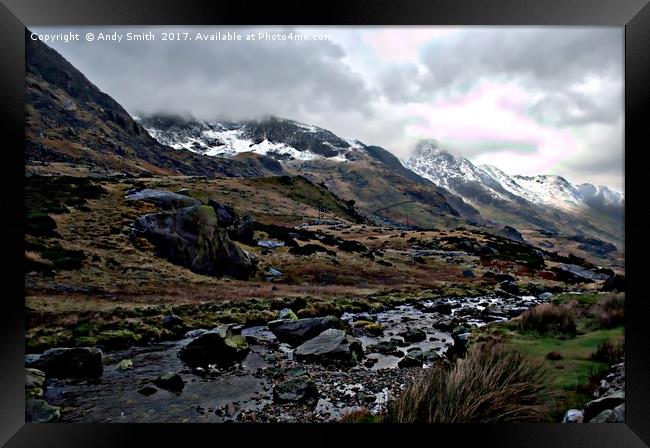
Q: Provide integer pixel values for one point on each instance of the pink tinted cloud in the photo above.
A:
(494, 112)
(402, 44)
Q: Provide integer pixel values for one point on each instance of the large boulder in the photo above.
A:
(296, 390)
(296, 332)
(166, 200)
(85, 362)
(330, 347)
(222, 345)
(191, 237)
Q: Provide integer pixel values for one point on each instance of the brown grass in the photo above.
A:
(609, 353)
(549, 318)
(611, 312)
(492, 384)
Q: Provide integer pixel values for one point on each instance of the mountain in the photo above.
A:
(546, 201)
(369, 175)
(72, 126)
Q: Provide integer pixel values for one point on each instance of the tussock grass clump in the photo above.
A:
(609, 353)
(492, 384)
(611, 312)
(549, 318)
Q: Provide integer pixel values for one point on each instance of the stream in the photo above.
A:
(244, 391)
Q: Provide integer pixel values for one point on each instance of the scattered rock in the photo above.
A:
(332, 346)
(34, 383)
(545, 296)
(468, 273)
(173, 323)
(40, 411)
(270, 244)
(296, 390)
(573, 416)
(69, 362)
(125, 364)
(287, 313)
(553, 356)
(147, 390)
(413, 335)
(170, 381)
(219, 346)
(409, 361)
(272, 273)
(610, 401)
(296, 332)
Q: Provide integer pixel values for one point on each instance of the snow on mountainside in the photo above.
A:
(469, 181)
(284, 140)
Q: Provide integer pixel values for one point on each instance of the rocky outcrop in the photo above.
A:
(332, 346)
(190, 237)
(68, 362)
(296, 332)
(220, 346)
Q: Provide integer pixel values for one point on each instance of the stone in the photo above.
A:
(610, 401)
(332, 346)
(602, 417)
(386, 348)
(618, 414)
(545, 296)
(147, 390)
(125, 364)
(287, 313)
(219, 346)
(40, 411)
(170, 381)
(440, 306)
(299, 389)
(573, 416)
(270, 244)
(413, 335)
(273, 273)
(190, 237)
(468, 273)
(34, 383)
(172, 322)
(66, 362)
(296, 332)
(409, 361)
(165, 200)
(196, 333)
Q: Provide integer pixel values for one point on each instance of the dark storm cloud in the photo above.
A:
(238, 79)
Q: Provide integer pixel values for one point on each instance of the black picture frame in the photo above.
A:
(634, 15)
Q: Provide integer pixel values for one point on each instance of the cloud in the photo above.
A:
(526, 99)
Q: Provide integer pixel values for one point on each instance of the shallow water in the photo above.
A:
(217, 396)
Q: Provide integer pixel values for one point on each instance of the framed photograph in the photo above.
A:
(372, 220)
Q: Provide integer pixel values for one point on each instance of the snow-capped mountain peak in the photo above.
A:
(283, 139)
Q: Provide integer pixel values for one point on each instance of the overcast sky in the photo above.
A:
(528, 100)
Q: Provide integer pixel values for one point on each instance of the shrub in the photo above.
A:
(611, 312)
(492, 384)
(549, 318)
(609, 353)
